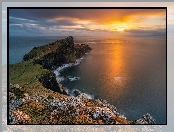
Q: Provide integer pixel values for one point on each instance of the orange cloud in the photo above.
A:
(107, 16)
(114, 19)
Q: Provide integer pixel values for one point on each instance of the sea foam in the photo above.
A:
(65, 66)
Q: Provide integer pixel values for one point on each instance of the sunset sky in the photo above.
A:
(87, 22)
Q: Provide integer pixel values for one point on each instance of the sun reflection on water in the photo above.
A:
(115, 68)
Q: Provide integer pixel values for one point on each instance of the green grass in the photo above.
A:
(18, 92)
(42, 50)
(25, 72)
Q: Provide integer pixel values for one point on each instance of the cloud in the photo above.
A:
(96, 15)
(53, 20)
(139, 32)
(24, 30)
(46, 22)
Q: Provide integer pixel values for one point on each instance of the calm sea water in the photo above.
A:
(129, 73)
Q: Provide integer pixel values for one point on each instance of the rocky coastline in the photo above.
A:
(43, 100)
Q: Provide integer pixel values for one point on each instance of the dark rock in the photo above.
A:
(146, 119)
(67, 52)
(81, 50)
(76, 93)
(49, 81)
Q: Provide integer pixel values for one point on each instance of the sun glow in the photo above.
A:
(120, 29)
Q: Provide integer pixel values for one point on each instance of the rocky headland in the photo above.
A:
(37, 97)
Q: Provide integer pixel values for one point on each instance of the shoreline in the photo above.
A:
(97, 111)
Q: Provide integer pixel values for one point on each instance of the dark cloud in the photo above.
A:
(46, 22)
(15, 20)
(139, 32)
(100, 15)
(46, 26)
(24, 29)
(58, 23)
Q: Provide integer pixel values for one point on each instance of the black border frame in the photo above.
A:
(8, 8)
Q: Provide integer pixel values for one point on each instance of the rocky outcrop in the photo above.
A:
(54, 55)
(49, 81)
(64, 54)
(146, 119)
(72, 110)
(67, 52)
(39, 51)
(44, 109)
(81, 50)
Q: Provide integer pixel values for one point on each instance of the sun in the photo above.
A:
(120, 29)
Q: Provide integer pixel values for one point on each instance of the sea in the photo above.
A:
(129, 72)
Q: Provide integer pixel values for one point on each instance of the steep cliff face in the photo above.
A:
(40, 62)
(67, 52)
(81, 50)
(49, 81)
(42, 50)
(54, 55)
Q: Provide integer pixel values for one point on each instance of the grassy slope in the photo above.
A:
(43, 50)
(23, 72)
(26, 72)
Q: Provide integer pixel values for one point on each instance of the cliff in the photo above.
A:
(63, 51)
(35, 96)
(40, 61)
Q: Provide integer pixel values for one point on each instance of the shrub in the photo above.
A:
(19, 93)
